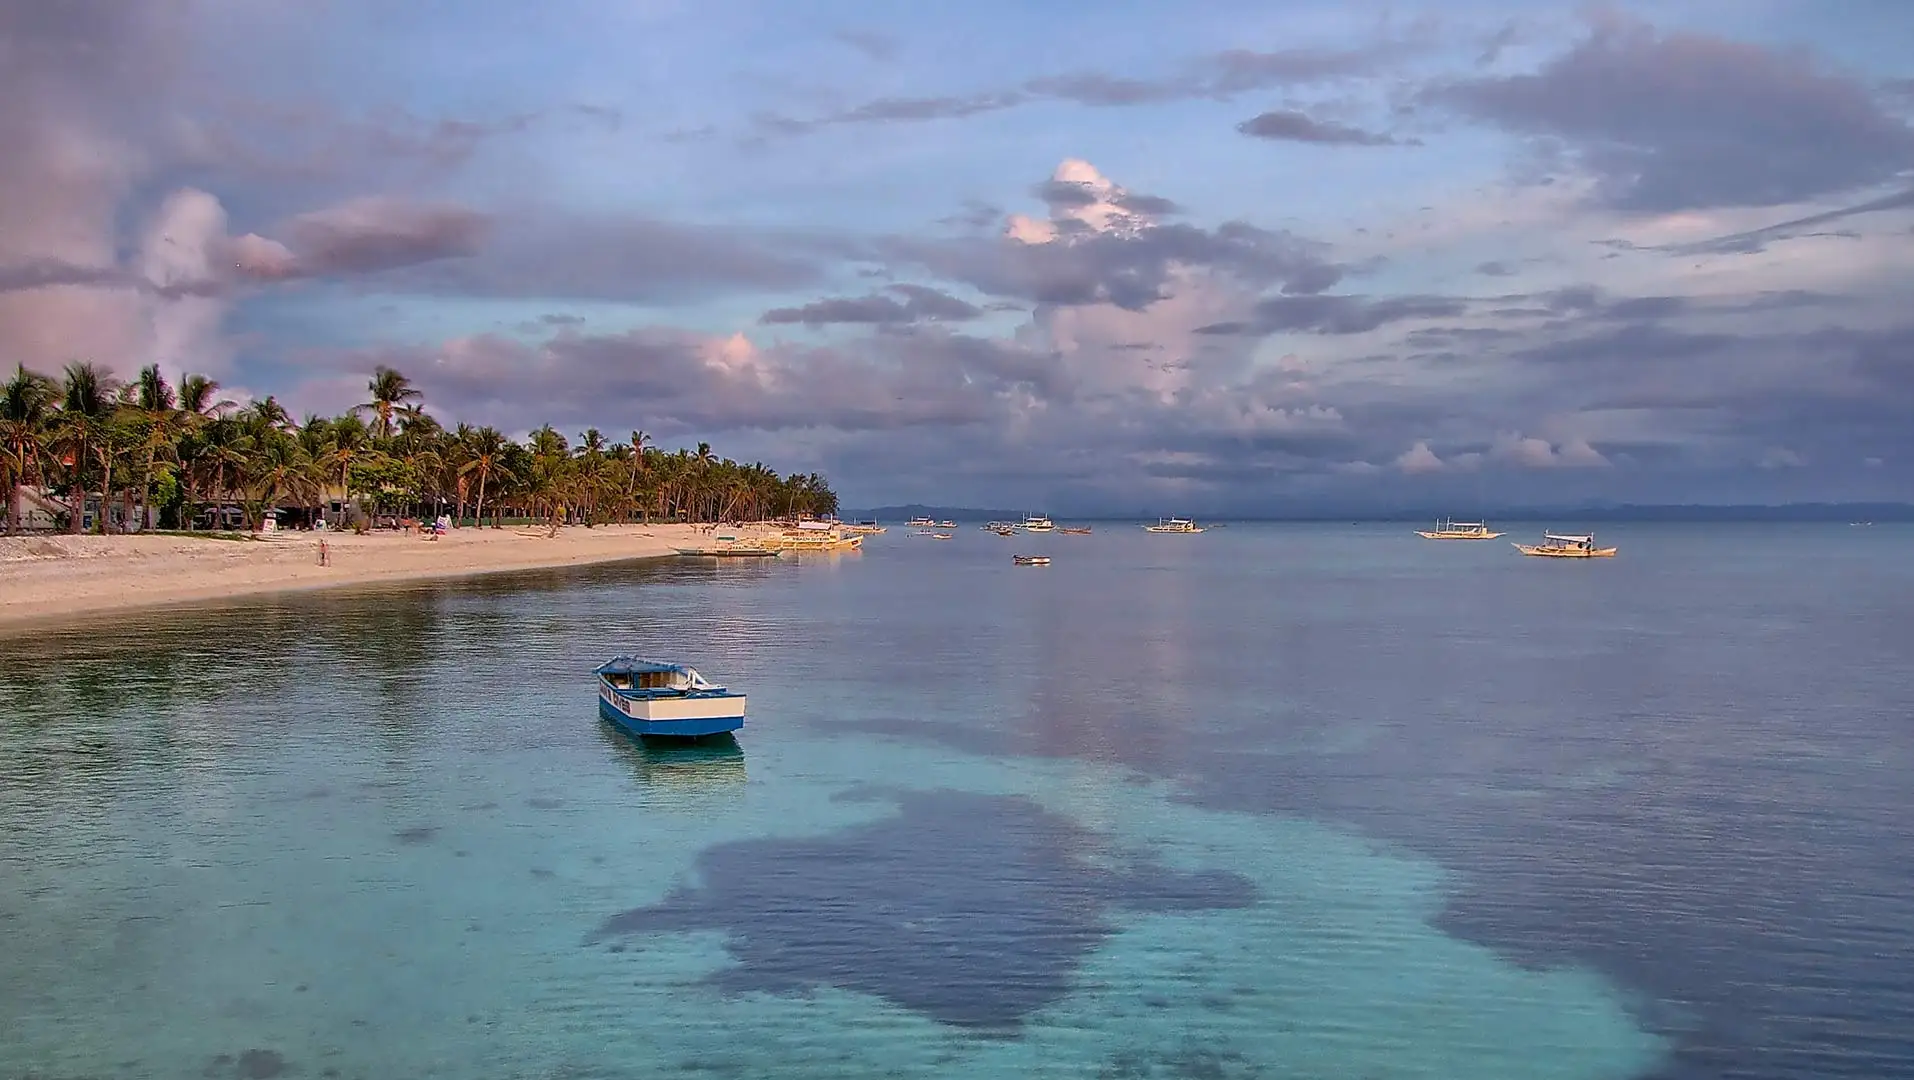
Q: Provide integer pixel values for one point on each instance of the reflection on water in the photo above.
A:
(714, 762)
(1167, 811)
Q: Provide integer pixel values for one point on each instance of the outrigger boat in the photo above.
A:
(731, 547)
(655, 699)
(1174, 525)
(1075, 530)
(921, 523)
(1558, 546)
(1037, 523)
(813, 536)
(1458, 530)
(1031, 560)
(864, 528)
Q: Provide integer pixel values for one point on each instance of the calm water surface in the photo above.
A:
(1298, 801)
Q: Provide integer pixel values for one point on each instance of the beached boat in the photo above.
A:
(1037, 523)
(656, 699)
(1458, 530)
(813, 536)
(1075, 530)
(1559, 546)
(1174, 525)
(730, 547)
(1031, 560)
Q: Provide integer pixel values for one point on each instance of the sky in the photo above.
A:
(1229, 258)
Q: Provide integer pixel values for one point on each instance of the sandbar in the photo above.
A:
(47, 577)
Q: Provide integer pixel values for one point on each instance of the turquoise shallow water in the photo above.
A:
(1264, 802)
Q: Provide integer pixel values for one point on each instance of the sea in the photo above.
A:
(1300, 801)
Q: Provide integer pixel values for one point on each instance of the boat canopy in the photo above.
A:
(630, 671)
(1568, 539)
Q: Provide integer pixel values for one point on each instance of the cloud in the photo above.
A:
(875, 46)
(1419, 459)
(1683, 120)
(1336, 314)
(1219, 75)
(1780, 457)
(919, 304)
(363, 236)
(1532, 453)
(1102, 245)
(1288, 125)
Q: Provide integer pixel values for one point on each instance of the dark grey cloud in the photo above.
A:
(1130, 268)
(1685, 120)
(365, 237)
(1290, 126)
(1756, 240)
(533, 254)
(1495, 268)
(919, 304)
(1335, 314)
(874, 45)
(1221, 75)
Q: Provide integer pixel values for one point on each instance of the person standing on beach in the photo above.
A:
(325, 552)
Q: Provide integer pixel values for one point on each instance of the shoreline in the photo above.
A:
(47, 579)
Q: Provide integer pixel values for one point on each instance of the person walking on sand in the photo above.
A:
(325, 552)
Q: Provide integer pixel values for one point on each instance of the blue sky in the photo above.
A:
(1233, 258)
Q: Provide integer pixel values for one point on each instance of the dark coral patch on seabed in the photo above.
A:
(973, 910)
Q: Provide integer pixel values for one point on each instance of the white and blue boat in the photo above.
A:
(656, 699)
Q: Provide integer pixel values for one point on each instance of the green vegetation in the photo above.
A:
(190, 455)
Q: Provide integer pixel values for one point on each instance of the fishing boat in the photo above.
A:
(941, 536)
(1559, 546)
(1037, 523)
(1075, 530)
(657, 699)
(1174, 525)
(864, 528)
(1031, 560)
(730, 547)
(1458, 530)
(946, 525)
(921, 522)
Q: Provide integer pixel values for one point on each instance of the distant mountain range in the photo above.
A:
(1699, 512)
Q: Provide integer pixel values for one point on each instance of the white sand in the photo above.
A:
(45, 577)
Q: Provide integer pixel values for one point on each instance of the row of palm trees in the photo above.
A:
(177, 456)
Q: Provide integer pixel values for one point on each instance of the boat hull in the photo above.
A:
(1560, 553)
(1456, 536)
(692, 716)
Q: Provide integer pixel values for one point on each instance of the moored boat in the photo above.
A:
(1174, 525)
(864, 528)
(920, 522)
(1074, 530)
(1458, 530)
(1564, 546)
(730, 547)
(658, 699)
(1031, 560)
(1037, 523)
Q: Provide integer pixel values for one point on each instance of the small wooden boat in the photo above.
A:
(656, 699)
(864, 528)
(1031, 560)
(1174, 525)
(1559, 546)
(946, 525)
(1075, 530)
(940, 536)
(1458, 530)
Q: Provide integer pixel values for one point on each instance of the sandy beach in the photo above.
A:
(48, 577)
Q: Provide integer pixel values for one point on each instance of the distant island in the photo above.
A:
(1615, 512)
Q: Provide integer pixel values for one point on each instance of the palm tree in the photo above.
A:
(390, 390)
(26, 406)
(86, 406)
(486, 457)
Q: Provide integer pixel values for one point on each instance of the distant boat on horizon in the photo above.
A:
(1458, 530)
(1566, 546)
(1174, 525)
